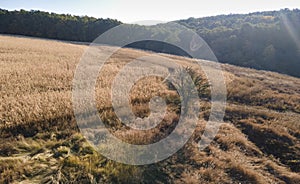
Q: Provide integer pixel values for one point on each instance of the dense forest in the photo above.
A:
(54, 26)
(262, 40)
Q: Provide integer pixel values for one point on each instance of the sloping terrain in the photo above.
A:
(259, 141)
(267, 40)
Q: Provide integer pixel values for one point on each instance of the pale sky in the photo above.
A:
(137, 10)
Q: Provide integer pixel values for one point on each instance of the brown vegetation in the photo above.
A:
(40, 142)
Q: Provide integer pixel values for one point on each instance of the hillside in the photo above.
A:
(41, 143)
(261, 40)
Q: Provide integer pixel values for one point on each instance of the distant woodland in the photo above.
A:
(261, 40)
(54, 26)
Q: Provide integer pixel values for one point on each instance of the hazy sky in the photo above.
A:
(137, 10)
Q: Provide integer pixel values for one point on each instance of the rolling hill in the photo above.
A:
(40, 142)
(260, 40)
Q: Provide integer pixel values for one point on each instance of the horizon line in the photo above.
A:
(165, 21)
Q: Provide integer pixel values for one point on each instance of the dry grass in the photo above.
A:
(40, 142)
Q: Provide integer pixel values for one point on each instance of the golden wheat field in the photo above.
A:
(40, 142)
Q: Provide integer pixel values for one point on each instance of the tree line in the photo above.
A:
(54, 26)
